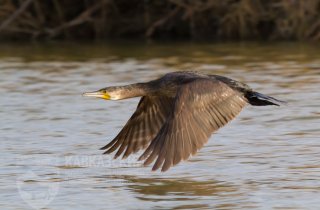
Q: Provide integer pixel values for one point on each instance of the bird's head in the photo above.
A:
(108, 93)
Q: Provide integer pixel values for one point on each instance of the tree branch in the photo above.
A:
(12, 17)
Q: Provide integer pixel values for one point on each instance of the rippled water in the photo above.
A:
(267, 158)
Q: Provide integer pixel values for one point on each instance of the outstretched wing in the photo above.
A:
(142, 127)
(200, 108)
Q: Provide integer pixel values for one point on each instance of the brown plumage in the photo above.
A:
(177, 114)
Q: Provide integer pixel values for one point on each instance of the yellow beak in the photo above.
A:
(97, 94)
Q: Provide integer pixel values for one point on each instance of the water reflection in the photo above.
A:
(191, 193)
(173, 187)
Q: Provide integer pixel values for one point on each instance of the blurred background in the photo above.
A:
(52, 51)
(209, 20)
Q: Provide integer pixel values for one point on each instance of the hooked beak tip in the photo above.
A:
(84, 94)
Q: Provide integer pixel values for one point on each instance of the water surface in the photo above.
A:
(267, 158)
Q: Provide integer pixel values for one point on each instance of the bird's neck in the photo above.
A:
(135, 90)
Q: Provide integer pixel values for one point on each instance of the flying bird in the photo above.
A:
(177, 114)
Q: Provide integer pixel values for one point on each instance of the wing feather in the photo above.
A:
(200, 108)
(142, 127)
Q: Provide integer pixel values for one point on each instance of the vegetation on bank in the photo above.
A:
(160, 19)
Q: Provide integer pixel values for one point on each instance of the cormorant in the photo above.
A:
(177, 114)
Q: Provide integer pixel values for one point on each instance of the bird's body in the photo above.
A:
(177, 114)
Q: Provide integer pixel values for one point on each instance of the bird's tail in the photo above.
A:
(259, 99)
